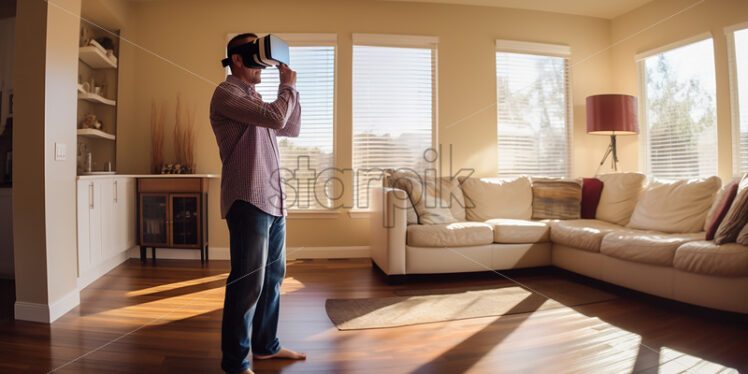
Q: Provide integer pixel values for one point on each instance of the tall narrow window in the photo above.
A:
(533, 109)
(739, 88)
(311, 153)
(393, 106)
(680, 131)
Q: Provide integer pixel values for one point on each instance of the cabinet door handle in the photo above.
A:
(90, 195)
(115, 191)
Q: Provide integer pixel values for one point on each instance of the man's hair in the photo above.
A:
(237, 41)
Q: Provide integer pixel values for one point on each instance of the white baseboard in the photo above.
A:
(292, 253)
(46, 313)
(93, 274)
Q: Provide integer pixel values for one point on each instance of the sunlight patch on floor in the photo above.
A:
(168, 309)
(175, 285)
(674, 361)
(291, 284)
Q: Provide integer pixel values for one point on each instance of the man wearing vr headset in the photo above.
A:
(251, 197)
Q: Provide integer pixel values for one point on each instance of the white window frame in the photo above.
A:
(734, 95)
(642, 111)
(543, 49)
(313, 40)
(401, 41)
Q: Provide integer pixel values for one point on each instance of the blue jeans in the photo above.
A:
(258, 265)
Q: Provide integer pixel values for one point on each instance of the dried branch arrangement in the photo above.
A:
(184, 138)
(158, 123)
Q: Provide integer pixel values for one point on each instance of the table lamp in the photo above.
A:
(612, 115)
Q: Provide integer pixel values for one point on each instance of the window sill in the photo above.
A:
(359, 213)
(313, 214)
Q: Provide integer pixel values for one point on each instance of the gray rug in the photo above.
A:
(412, 307)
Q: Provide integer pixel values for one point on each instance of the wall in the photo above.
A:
(44, 199)
(678, 20)
(189, 39)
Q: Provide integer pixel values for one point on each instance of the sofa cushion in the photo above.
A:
(620, 193)
(582, 233)
(707, 257)
(554, 198)
(518, 231)
(646, 247)
(736, 217)
(675, 205)
(489, 198)
(458, 234)
(591, 190)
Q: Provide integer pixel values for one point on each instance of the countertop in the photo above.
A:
(101, 176)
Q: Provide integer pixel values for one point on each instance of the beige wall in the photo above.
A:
(193, 35)
(678, 20)
(45, 113)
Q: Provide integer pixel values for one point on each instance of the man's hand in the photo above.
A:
(287, 75)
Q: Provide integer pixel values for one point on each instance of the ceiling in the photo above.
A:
(594, 8)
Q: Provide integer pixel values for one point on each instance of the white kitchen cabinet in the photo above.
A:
(106, 225)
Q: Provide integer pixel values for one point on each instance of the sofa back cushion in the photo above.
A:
(488, 198)
(591, 190)
(675, 205)
(554, 198)
(619, 196)
(723, 202)
(736, 217)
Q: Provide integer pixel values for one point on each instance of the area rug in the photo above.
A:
(411, 307)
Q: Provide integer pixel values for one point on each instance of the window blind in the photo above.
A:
(740, 101)
(393, 114)
(311, 152)
(680, 114)
(533, 115)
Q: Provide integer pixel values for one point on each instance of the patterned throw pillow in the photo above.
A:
(736, 218)
(556, 198)
(721, 211)
(426, 194)
(391, 176)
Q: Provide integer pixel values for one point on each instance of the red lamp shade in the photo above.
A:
(612, 115)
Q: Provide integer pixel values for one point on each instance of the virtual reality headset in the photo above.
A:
(260, 53)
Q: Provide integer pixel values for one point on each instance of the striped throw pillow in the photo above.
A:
(556, 198)
(736, 218)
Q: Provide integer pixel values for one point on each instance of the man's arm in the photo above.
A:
(293, 125)
(250, 110)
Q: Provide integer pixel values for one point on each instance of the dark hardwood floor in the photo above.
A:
(166, 318)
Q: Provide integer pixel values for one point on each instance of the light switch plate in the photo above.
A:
(61, 153)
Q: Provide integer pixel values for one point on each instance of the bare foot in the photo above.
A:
(283, 354)
(247, 372)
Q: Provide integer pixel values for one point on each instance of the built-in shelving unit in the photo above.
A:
(98, 72)
(94, 133)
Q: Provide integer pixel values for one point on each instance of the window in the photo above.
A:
(533, 109)
(312, 153)
(393, 106)
(738, 42)
(679, 115)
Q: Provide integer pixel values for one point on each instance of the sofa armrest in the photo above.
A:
(388, 227)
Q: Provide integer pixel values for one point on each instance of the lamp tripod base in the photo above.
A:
(611, 149)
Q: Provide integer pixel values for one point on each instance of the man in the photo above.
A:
(252, 204)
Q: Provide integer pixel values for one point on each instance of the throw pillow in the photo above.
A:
(591, 190)
(488, 198)
(556, 198)
(743, 236)
(391, 176)
(676, 206)
(618, 198)
(721, 211)
(425, 194)
(721, 194)
(736, 217)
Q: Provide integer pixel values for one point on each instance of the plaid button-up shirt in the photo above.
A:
(246, 130)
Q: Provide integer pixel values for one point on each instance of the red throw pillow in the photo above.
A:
(719, 215)
(591, 190)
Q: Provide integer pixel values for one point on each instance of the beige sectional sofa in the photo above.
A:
(678, 266)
